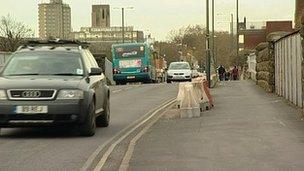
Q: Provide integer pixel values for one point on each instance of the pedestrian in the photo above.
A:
(221, 72)
(227, 75)
(235, 73)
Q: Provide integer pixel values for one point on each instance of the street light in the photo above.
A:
(123, 20)
(237, 28)
(208, 61)
(213, 33)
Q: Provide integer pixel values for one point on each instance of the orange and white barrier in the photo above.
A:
(194, 98)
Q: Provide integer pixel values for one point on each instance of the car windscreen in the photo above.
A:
(178, 66)
(129, 51)
(44, 63)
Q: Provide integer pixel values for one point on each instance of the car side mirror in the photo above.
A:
(96, 71)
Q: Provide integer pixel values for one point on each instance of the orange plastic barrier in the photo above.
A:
(208, 93)
(206, 90)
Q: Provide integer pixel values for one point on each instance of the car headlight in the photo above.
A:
(3, 95)
(70, 94)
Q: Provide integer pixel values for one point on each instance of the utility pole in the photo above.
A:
(232, 33)
(123, 20)
(237, 28)
(123, 24)
(208, 61)
(213, 34)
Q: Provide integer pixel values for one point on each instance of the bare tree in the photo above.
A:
(12, 33)
(192, 38)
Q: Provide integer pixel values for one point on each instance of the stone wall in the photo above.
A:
(298, 13)
(302, 35)
(266, 62)
(265, 67)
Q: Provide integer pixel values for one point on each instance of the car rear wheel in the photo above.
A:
(104, 119)
(89, 126)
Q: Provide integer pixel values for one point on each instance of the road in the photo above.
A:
(56, 149)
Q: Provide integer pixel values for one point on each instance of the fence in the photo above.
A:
(252, 66)
(4, 56)
(288, 68)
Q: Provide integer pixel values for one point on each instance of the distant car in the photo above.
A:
(54, 83)
(179, 71)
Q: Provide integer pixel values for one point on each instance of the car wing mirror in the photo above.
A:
(96, 71)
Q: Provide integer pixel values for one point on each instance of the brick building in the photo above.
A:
(251, 37)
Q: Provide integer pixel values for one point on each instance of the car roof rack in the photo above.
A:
(55, 43)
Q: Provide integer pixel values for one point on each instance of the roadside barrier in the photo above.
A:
(188, 101)
(194, 98)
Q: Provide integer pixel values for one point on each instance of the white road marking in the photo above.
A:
(113, 145)
(128, 155)
(282, 123)
(125, 89)
(117, 91)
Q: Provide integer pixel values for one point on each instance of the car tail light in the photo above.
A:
(146, 69)
(116, 71)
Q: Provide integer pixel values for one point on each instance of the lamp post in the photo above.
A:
(213, 33)
(208, 62)
(123, 20)
(237, 28)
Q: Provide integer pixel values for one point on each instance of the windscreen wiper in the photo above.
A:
(23, 74)
(67, 74)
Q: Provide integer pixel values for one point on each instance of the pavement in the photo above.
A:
(247, 130)
(56, 149)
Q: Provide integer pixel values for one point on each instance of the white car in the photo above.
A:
(179, 71)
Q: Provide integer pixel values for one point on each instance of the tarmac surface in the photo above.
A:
(247, 130)
(56, 149)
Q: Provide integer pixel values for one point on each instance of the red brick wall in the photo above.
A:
(254, 37)
(274, 26)
(252, 40)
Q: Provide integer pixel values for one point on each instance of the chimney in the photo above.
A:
(298, 13)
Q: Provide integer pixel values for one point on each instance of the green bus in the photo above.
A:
(133, 62)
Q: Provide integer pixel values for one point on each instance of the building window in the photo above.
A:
(241, 39)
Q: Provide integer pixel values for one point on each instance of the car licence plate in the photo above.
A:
(131, 77)
(31, 109)
(179, 77)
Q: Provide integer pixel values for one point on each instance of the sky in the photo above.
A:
(157, 17)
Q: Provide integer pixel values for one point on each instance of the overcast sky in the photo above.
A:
(157, 16)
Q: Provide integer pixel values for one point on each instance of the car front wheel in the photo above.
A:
(104, 119)
(89, 126)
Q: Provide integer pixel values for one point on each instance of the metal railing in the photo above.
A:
(288, 68)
